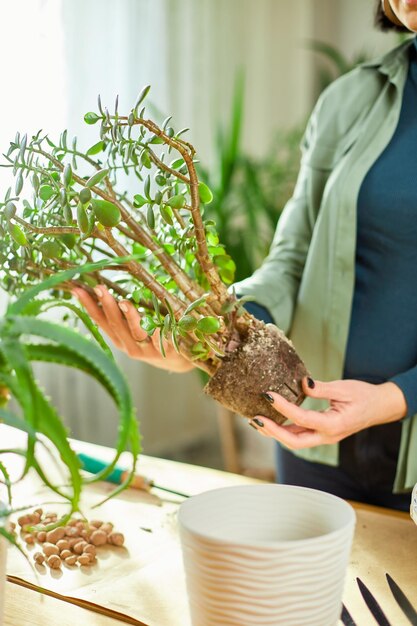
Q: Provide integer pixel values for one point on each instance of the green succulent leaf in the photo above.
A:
(67, 175)
(46, 192)
(194, 305)
(96, 178)
(10, 210)
(82, 219)
(160, 179)
(147, 187)
(51, 250)
(208, 325)
(17, 234)
(85, 195)
(69, 218)
(91, 117)
(141, 97)
(96, 148)
(177, 201)
(206, 195)
(166, 214)
(139, 200)
(150, 217)
(145, 159)
(19, 183)
(187, 323)
(68, 240)
(148, 324)
(106, 212)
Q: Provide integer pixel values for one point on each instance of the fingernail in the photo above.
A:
(98, 291)
(267, 397)
(252, 425)
(258, 422)
(123, 307)
(310, 383)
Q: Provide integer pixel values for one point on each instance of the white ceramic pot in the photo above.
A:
(265, 555)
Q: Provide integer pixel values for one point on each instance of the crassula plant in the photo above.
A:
(135, 195)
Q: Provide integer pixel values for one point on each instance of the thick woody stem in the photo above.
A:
(183, 281)
(49, 230)
(147, 279)
(203, 256)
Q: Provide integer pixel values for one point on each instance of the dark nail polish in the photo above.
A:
(252, 425)
(258, 422)
(310, 383)
(267, 397)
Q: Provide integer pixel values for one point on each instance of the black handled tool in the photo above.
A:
(402, 601)
(372, 604)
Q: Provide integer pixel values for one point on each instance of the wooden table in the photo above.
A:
(144, 583)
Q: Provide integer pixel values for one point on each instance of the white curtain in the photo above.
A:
(57, 55)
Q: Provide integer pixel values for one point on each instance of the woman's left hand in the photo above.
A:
(354, 405)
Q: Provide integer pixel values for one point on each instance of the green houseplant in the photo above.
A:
(25, 337)
(249, 192)
(174, 269)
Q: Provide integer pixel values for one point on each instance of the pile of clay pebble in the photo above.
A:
(73, 544)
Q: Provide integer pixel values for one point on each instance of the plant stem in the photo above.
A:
(143, 275)
(187, 152)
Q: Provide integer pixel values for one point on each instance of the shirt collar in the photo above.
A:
(392, 62)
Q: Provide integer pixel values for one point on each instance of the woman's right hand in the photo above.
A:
(121, 323)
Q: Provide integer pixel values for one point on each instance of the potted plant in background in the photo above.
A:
(175, 268)
(249, 192)
(25, 338)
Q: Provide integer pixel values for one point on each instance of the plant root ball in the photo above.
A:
(265, 360)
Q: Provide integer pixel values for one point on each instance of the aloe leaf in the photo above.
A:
(86, 320)
(95, 356)
(22, 385)
(73, 499)
(7, 482)
(44, 419)
(10, 419)
(115, 492)
(35, 307)
(20, 303)
(63, 355)
(12, 539)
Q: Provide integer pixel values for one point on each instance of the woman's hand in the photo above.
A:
(121, 323)
(354, 405)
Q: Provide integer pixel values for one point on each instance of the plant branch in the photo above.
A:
(183, 281)
(187, 152)
(145, 277)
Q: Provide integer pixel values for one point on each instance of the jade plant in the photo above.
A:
(135, 194)
(26, 337)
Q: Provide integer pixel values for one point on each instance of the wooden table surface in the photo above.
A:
(144, 583)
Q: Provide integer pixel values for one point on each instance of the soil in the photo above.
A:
(265, 360)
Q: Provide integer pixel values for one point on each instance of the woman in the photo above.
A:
(339, 281)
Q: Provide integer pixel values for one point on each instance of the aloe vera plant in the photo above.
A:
(69, 207)
(24, 339)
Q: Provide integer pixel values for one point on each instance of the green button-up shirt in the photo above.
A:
(307, 280)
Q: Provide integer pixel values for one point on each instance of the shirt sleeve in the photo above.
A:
(407, 382)
(276, 283)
